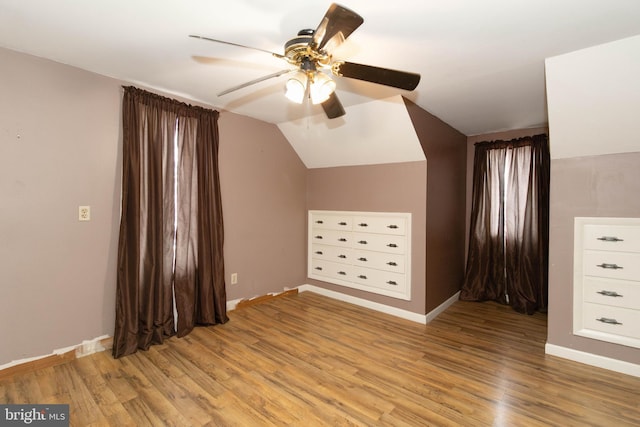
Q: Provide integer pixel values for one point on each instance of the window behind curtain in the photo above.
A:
(508, 245)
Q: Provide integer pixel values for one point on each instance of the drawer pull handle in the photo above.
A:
(362, 276)
(318, 237)
(609, 321)
(363, 224)
(363, 242)
(342, 256)
(610, 239)
(610, 266)
(362, 259)
(342, 239)
(319, 268)
(392, 282)
(342, 223)
(319, 221)
(392, 226)
(393, 264)
(342, 273)
(319, 253)
(392, 245)
(609, 293)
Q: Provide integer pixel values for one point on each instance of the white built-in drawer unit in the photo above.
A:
(606, 279)
(370, 251)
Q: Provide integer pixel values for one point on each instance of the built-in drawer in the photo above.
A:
(620, 238)
(379, 260)
(332, 269)
(379, 279)
(380, 225)
(375, 244)
(331, 222)
(613, 265)
(379, 242)
(332, 253)
(331, 237)
(618, 293)
(611, 320)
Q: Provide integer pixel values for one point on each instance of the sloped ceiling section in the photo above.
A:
(376, 132)
(594, 100)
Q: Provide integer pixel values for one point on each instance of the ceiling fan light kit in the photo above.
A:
(311, 52)
(320, 88)
(296, 87)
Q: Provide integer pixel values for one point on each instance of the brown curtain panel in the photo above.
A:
(509, 234)
(170, 251)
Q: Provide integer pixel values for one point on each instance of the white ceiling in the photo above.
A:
(353, 140)
(482, 62)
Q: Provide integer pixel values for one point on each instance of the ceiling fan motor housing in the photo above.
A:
(298, 46)
(301, 52)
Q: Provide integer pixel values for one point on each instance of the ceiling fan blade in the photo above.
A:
(338, 23)
(258, 80)
(277, 55)
(333, 107)
(383, 76)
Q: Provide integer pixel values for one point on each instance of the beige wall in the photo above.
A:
(593, 186)
(263, 199)
(593, 96)
(60, 147)
(445, 150)
(396, 187)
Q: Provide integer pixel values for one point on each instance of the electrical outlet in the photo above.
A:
(234, 278)
(84, 213)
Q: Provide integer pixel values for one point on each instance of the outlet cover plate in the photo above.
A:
(84, 213)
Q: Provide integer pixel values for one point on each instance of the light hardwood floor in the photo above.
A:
(308, 360)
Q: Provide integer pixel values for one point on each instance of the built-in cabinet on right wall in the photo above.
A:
(593, 100)
(606, 279)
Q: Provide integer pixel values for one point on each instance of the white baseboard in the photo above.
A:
(231, 305)
(442, 307)
(398, 312)
(593, 359)
(87, 347)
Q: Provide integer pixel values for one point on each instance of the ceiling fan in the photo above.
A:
(311, 53)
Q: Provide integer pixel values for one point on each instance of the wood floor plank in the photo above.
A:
(142, 413)
(103, 395)
(73, 390)
(153, 397)
(307, 360)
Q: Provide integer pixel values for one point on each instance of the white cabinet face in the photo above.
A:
(606, 279)
(370, 251)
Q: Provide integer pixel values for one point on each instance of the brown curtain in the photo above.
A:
(509, 234)
(171, 229)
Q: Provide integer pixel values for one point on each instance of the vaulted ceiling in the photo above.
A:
(482, 62)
